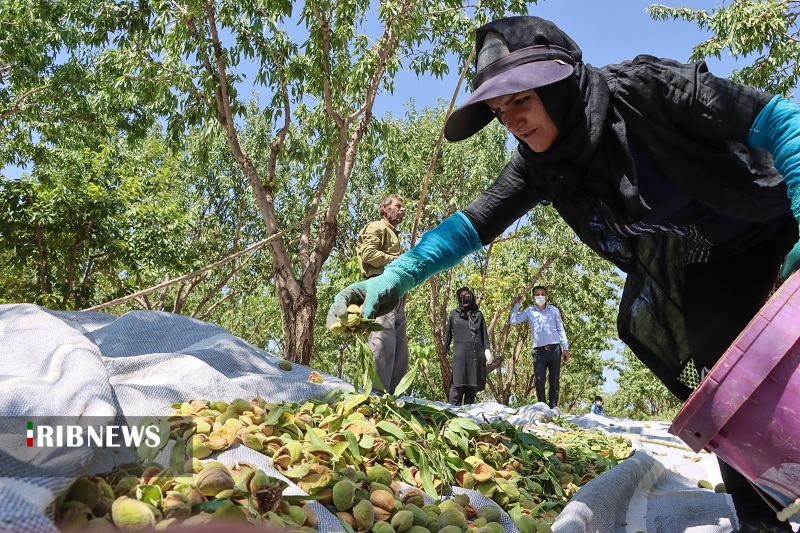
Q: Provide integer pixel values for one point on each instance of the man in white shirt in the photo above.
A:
(549, 341)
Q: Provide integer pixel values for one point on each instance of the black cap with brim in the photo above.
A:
(519, 71)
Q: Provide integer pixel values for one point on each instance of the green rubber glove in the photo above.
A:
(376, 296)
(439, 249)
(792, 262)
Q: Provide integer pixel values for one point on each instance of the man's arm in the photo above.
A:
(517, 317)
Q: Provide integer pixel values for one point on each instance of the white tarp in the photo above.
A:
(97, 365)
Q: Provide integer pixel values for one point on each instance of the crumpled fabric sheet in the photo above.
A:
(66, 364)
(59, 363)
(655, 490)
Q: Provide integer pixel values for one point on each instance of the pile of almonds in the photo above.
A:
(137, 496)
(351, 452)
(372, 501)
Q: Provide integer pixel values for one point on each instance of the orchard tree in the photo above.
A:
(49, 93)
(640, 396)
(222, 221)
(92, 224)
(323, 65)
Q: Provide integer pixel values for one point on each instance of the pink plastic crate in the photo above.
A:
(747, 409)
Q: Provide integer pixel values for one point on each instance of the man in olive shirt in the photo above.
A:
(378, 245)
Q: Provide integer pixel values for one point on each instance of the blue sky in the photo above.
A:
(607, 31)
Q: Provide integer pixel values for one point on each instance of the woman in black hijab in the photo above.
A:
(687, 182)
(466, 330)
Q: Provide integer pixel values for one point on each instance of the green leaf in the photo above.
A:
(391, 429)
(367, 441)
(319, 443)
(275, 416)
(147, 452)
(149, 494)
(450, 436)
(407, 380)
(463, 444)
(211, 505)
(352, 444)
(426, 477)
(531, 441)
(465, 424)
(177, 455)
(351, 405)
(299, 471)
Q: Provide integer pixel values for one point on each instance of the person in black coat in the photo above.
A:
(687, 182)
(466, 330)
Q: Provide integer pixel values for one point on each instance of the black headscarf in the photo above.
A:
(588, 125)
(469, 312)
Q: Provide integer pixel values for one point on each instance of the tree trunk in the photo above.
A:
(297, 315)
(437, 315)
(296, 282)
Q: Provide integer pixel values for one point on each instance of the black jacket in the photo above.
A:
(469, 361)
(693, 127)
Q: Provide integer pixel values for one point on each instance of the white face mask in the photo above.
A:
(540, 300)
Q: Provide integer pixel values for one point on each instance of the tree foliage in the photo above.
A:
(323, 64)
(89, 225)
(640, 396)
(763, 31)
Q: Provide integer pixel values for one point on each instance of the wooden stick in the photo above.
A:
(185, 277)
(435, 156)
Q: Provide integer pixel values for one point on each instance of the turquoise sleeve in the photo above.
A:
(439, 249)
(777, 129)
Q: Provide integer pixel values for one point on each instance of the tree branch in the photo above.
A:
(216, 304)
(315, 259)
(325, 29)
(194, 90)
(18, 104)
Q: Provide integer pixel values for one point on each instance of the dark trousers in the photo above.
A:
(721, 297)
(462, 395)
(390, 348)
(547, 360)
